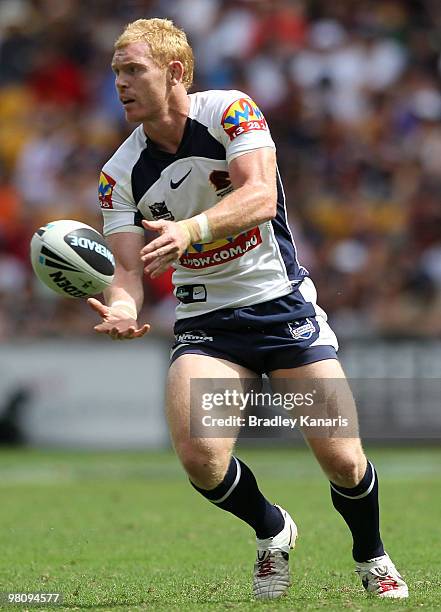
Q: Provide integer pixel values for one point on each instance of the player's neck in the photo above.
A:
(167, 130)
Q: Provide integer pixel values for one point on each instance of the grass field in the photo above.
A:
(124, 531)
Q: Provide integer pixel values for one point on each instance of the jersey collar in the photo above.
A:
(182, 151)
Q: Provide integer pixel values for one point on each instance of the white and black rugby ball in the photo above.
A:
(72, 258)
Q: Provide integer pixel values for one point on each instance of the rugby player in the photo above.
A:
(200, 171)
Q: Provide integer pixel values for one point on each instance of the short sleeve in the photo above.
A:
(244, 126)
(120, 213)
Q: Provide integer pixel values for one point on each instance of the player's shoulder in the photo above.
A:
(213, 97)
(211, 106)
(120, 165)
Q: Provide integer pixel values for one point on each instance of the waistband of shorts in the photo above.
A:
(232, 316)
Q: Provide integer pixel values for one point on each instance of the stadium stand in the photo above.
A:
(354, 105)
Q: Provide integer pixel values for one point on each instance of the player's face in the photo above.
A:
(141, 84)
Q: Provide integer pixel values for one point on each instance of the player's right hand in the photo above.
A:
(159, 254)
(116, 323)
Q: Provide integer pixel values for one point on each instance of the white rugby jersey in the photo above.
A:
(142, 182)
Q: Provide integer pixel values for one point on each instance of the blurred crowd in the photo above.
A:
(351, 91)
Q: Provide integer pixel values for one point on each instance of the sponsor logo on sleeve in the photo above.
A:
(243, 116)
(220, 251)
(105, 190)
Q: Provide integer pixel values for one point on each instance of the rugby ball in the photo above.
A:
(72, 258)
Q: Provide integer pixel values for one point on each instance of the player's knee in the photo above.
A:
(205, 467)
(346, 470)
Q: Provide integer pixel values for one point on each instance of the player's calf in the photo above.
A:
(239, 494)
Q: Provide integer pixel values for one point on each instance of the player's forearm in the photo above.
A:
(241, 210)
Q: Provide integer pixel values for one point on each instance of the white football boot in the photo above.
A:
(380, 577)
(271, 570)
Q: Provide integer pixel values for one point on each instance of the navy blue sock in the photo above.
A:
(239, 494)
(359, 508)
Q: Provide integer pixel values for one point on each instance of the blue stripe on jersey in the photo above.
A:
(196, 142)
(284, 237)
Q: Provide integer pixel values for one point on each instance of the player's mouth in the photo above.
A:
(127, 101)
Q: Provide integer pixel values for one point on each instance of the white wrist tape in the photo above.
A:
(204, 226)
(126, 307)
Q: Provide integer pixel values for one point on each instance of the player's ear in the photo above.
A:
(176, 72)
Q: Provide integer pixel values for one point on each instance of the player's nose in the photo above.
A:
(120, 83)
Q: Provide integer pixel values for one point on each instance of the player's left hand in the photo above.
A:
(160, 253)
(116, 322)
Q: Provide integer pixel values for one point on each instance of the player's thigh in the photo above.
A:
(337, 446)
(189, 367)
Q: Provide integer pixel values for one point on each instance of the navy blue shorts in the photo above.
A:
(287, 332)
